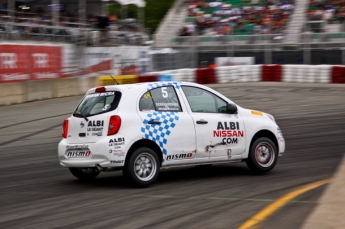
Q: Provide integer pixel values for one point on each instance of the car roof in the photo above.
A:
(149, 85)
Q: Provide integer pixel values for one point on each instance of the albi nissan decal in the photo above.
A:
(229, 131)
(95, 126)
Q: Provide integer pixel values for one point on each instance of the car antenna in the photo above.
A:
(115, 80)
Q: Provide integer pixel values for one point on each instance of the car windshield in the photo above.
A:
(97, 103)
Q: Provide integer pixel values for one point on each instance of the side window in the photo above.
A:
(146, 102)
(201, 100)
(160, 99)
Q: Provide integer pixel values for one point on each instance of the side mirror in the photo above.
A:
(231, 108)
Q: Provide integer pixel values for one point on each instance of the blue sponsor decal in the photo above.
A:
(162, 84)
(159, 132)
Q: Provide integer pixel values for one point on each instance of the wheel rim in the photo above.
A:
(264, 154)
(145, 167)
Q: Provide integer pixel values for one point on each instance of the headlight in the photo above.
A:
(271, 117)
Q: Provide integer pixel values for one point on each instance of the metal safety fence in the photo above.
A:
(80, 34)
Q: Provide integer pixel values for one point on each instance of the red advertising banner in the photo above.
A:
(14, 63)
(45, 62)
(29, 62)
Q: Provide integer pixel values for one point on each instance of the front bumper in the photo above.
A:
(100, 155)
(281, 144)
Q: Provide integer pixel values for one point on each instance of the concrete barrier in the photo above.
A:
(12, 93)
(85, 83)
(66, 87)
(39, 90)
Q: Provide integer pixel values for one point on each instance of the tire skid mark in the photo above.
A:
(33, 120)
(29, 135)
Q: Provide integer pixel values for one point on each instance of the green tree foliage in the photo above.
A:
(155, 11)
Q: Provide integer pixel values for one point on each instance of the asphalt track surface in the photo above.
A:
(36, 192)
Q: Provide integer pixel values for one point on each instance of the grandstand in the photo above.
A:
(225, 27)
(253, 22)
(69, 21)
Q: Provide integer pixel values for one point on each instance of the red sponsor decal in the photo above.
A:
(228, 133)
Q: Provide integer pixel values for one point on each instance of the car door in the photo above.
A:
(167, 123)
(219, 135)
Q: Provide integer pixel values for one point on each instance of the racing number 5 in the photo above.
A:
(164, 92)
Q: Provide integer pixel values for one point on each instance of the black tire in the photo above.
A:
(85, 174)
(142, 167)
(263, 155)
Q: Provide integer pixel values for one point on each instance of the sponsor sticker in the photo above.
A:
(78, 154)
(77, 147)
(229, 131)
(117, 162)
(257, 113)
(110, 93)
(180, 156)
(116, 142)
(119, 154)
(95, 127)
(99, 134)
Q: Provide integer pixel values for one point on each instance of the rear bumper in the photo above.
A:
(100, 155)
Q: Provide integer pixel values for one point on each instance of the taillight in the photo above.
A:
(114, 125)
(100, 89)
(65, 128)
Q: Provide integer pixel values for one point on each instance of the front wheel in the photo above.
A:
(85, 174)
(142, 167)
(263, 155)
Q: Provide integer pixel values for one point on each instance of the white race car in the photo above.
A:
(139, 128)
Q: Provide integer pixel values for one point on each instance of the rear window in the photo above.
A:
(98, 103)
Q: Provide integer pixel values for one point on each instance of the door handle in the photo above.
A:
(201, 122)
(154, 122)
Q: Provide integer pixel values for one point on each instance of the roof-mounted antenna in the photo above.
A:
(114, 80)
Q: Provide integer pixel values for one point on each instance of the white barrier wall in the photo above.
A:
(13, 93)
(253, 73)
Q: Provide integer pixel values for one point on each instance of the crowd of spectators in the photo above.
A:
(249, 17)
(332, 11)
(39, 25)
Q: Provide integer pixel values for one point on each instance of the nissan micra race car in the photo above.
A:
(140, 128)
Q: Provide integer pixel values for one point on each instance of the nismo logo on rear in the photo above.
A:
(78, 154)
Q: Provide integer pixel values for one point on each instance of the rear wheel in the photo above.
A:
(263, 155)
(142, 167)
(85, 174)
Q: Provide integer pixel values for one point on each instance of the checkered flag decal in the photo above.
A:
(162, 84)
(159, 132)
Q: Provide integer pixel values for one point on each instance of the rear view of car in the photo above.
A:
(85, 132)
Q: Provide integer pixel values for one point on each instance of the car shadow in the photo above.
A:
(170, 176)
